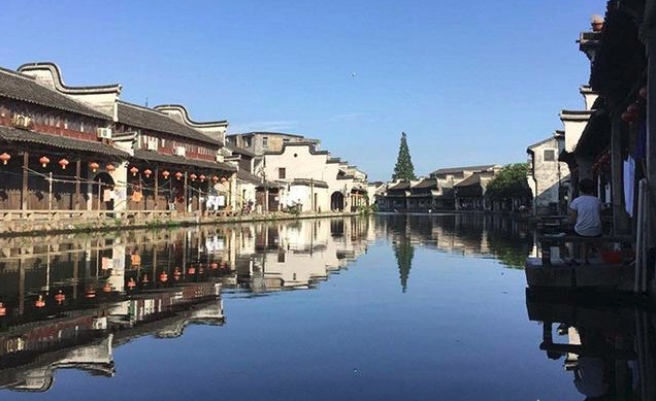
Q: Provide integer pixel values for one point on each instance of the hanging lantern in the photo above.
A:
(643, 92)
(633, 109)
(165, 174)
(193, 177)
(215, 178)
(40, 303)
(202, 178)
(134, 171)
(63, 163)
(94, 166)
(131, 284)
(178, 175)
(110, 168)
(177, 274)
(5, 158)
(148, 172)
(223, 180)
(60, 297)
(214, 265)
(3, 310)
(191, 270)
(628, 117)
(44, 161)
(163, 277)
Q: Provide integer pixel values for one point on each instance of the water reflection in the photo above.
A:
(70, 301)
(610, 352)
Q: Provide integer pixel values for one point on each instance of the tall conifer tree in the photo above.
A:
(404, 170)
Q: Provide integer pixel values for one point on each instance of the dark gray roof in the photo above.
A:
(249, 177)
(311, 145)
(400, 186)
(238, 150)
(474, 179)
(308, 182)
(426, 183)
(146, 118)
(159, 157)
(15, 85)
(453, 170)
(334, 160)
(10, 134)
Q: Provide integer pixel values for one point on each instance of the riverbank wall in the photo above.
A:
(62, 222)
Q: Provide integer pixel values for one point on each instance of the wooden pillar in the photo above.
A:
(620, 218)
(651, 132)
(156, 188)
(25, 190)
(185, 190)
(78, 173)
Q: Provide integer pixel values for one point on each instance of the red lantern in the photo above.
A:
(44, 161)
(165, 174)
(148, 172)
(163, 277)
(5, 158)
(215, 178)
(63, 163)
(60, 297)
(134, 171)
(94, 166)
(633, 109)
(193, 177)
(223, 179)
(191, 270)
(3, 310)
(643, 92)
(178, 175)
(131, 284)
(107, 288)
(202, 178)
(40, 303)
(214, 265)
(628, 117)
(110, 168)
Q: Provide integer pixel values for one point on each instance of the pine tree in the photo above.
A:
(404, 170)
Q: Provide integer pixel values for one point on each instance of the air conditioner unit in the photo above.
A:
(104, 133)
(151, 145)
(180, 151)
(21, 121)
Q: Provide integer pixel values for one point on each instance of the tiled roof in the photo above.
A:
(10, 134)
(400, 186)
(238, 150)
(308, 182)
(15, 85)
(248, 177)
(473, 179)
(453, 170)
(159, 157)
(426, 183)
(143, 117)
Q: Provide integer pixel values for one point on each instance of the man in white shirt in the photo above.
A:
(586, 213)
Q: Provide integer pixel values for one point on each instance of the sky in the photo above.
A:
(470, 82)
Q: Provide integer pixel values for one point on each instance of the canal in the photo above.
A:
(414, 307)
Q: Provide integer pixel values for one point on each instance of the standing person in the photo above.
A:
(586, 215)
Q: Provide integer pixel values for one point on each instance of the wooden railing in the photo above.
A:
(84, 215)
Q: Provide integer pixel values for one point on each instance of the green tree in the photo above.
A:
(404, 253)
(510, 183)
(404, 169)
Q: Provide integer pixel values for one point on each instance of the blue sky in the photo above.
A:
(471, 82)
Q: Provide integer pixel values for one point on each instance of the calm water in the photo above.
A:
(393, 307)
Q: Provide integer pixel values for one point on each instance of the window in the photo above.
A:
(265, 141)
(282, 173)
(549, 155)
